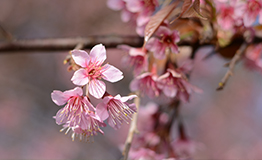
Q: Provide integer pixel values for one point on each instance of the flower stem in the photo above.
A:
(132, 129)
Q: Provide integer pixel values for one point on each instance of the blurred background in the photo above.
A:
(224, 124)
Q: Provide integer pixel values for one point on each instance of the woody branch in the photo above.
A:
(59, 44)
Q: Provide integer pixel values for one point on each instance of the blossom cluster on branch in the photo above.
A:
(79, 115)
(161, 71)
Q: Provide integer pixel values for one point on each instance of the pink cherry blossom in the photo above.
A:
(145, 117)
(117, 5)
(147, 84)
(116, 109)
(142, 10)
(164, 41)
(145, 153)
(252, 9)
(137, 58)
(174, 84)
(84, 134)
(225, 17)
(183, 148)
(253, 57)
(92, 70)
(77, 112)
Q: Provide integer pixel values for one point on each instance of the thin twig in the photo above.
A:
(231, 66)
(132, 129)
(8, 36)
(52, 44)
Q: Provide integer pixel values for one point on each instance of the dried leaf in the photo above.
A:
(156, 20)
(186, 5)
(191, 11)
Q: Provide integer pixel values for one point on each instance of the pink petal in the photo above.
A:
(98, 54)
(97, 88)
(260, 17)
(132, 106)
(134, 85)
(134, 5)
(163, 76)
(60, 117)
(248, 20)
(101, 111)
(126, 98)
(162, 30)
(174, 48)
(116, 126)
(111, 73)
(124, 47)
(137, 52)
(142, 20)
(81, 57)
(80, 78)
(115, 4)
(77, 91)
(59, 98)
(170, 91)
(126, 15)
(174, 73)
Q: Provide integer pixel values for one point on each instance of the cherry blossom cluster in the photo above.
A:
(171, 81)
(237, 13)
(136, 11)
(159, 74)
(79, 115)
(241, 16)
(152, 143)
(253, 57)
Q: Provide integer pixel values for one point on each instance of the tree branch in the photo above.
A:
(132, 130)
(110, 41)
(231, 66)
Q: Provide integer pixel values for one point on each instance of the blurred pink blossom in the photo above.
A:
(93, 71)
(226, 16)
(252, 9)
(146, 83)
(164, 41)
(138, 11)
(117, 5)
(144, 10)
(145, 154)
(137, 58)
(174, 84)
(183, 148)
(253, 58)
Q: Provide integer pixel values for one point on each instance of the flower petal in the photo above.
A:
(98, 54)
(132, 106)
(59, 98)
(126, 98)
(111, 73)
(61, 117)
(80, 78)
(77, 91)
(134, 85)
(101, 111)
(170, 91)
(115, 4)
(113, 124)
(97, 88)
(81, 57)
